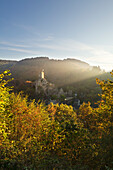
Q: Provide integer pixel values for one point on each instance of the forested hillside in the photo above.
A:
(35, 136)
(59, 72)
(88, 89)
(69, 74)
(6, 64)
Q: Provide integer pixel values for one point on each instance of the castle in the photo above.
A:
(43, 84)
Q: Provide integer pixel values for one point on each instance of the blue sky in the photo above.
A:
(80, 29)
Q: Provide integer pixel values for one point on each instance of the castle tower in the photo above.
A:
(42, 74)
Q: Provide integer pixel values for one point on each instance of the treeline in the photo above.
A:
(36, 136)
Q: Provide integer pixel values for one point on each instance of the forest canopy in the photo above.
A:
(34, 135)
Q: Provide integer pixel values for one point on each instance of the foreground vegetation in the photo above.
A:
(36, 136)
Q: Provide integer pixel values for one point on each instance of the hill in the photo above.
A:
(6, 64)
(70, 74)
(59, 72)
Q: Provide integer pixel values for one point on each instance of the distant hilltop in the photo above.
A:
(59, 72)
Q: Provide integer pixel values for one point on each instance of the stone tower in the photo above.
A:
(42, 74)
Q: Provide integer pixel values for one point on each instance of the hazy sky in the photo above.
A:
(81, 29)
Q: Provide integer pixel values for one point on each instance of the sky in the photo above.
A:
(58, 29)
